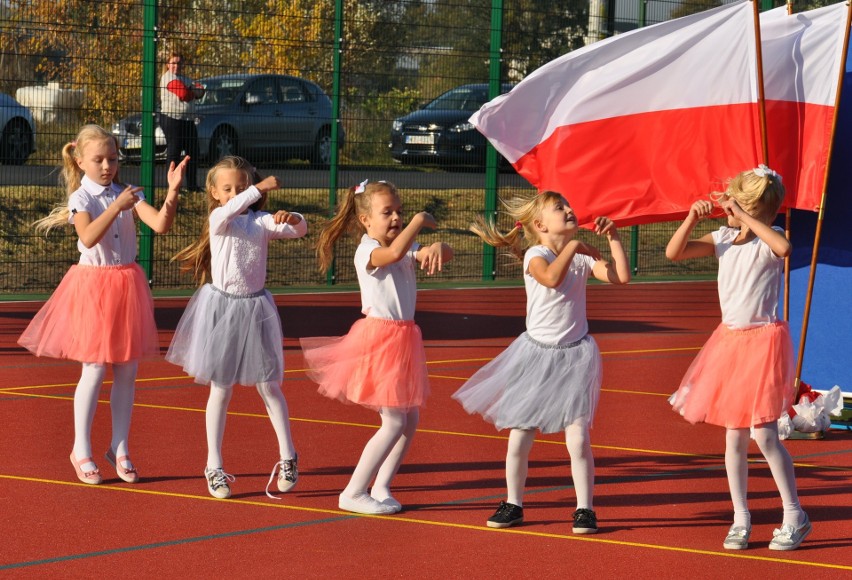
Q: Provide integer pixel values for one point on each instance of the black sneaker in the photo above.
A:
(585, 522)
(507, 515)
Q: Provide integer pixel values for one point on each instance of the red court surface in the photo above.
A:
(661, 493)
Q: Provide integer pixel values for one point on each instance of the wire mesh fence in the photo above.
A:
(313, 91)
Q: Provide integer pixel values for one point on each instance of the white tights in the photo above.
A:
(121, 405)
(780, 465)
(579, 446)
(217, 412)
(383, 453)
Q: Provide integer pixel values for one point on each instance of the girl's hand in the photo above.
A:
(268, 184)
(432, 258)
(731, 207)
(127, 198)
(285, 217)
(605, 226)
(427, 221)
(176, 173)
(701, 209)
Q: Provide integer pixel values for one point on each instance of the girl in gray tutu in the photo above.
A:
(230, 331)
(549, 378)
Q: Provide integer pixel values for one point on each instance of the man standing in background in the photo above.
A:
(177, 117)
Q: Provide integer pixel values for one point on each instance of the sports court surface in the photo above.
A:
(661, 494)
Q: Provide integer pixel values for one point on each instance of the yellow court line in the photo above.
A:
(294, 371)
(603, 353)
(430, 431)
(409, 520)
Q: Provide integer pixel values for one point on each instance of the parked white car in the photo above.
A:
(17, 137)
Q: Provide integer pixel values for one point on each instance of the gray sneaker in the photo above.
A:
(288, 475)
(788, 537)
(737, 538)
(217, 482)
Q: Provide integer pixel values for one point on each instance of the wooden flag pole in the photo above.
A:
(788, 222)
(761, 96)
(818, 233)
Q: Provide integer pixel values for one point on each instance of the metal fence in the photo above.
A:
(75, 62)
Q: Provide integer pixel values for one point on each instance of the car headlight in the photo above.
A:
(462, 127)
(397, 126)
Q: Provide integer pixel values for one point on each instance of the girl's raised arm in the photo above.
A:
(680, 247)
(161, 220)
(617, 272)
(399, 247)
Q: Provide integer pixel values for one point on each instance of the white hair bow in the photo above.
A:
(764, 171)
(361, 187)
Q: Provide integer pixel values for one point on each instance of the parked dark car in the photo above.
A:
(17, 132)
(440, 131)
(262, 117)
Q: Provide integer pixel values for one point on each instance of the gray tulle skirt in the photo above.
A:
(229, 339)
(531, 385)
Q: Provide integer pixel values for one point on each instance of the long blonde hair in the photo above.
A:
(195, 258)
(759, 192)
(346, 221)
(524, 209)
(71, 175)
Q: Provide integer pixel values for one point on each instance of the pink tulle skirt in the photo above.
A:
(97, 314)
(741, 378)
(379, 363)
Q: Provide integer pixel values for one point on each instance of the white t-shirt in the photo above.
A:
(557, 316)
(388, 292)
(239, 242)
(749, 279)
(170, 103)
(118, 245)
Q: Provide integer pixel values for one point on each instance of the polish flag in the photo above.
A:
(802, 59)
(638, 126)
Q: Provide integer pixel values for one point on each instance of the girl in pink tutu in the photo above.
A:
(743, 377)
(549, 378)
(230, 331)
(381, 362)
(102, 312)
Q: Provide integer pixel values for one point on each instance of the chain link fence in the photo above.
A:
(368, 65)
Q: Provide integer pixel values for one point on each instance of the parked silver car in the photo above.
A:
(263, 117)
(17, 131)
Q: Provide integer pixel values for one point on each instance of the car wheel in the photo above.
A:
(322, 149)
(16, 143)
(223, 143)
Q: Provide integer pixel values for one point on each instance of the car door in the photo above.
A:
(299, 110)
(263, 121)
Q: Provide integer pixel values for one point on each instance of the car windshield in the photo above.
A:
(221, 91)
(461, 99)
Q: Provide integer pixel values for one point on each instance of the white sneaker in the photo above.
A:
(364, 504)
(390, 501)
(737, 538)
(788, 537)
(217, 482)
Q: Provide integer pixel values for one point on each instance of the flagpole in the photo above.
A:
(818, 233)
(761, 96)
(788, 222)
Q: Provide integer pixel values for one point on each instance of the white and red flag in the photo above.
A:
(802, 59)
(638, 126)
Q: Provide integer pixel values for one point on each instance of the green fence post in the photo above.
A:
(634, 230)
(491, 170)
(335, 105)
(146, 168)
